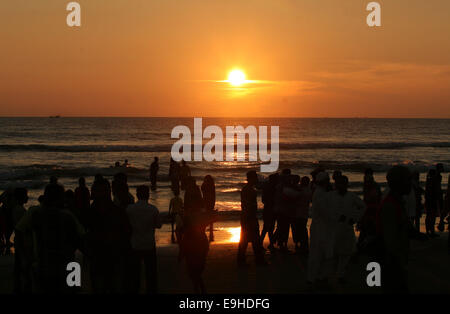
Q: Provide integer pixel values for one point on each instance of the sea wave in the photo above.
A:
(167, 147)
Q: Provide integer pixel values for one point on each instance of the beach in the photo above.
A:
(428, 269)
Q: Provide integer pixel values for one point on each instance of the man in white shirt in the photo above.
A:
(348, 209)
(144, 219)
(321, 232)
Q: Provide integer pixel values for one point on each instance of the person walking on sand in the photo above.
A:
(393, 231)
(209, 198)
(154, 167)
(195, 245)
(321, 233)
(144, 219)
(176, 217)
(347, 208)
(249, 222)
(269, 217)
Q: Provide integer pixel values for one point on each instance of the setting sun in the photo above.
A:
(236, 77)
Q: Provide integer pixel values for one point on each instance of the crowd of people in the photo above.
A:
(116, 233)
(386, 220)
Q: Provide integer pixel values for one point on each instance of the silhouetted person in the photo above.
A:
(209, 198)
(195, 244)
(284, 205)
(176, 214)
(432, 194)
(347, 209)
(154, 167)
(185, 173)
(393, 231)
(120, 191)
(442, 212)
(108, 241)
(126, 163)
(98, 178)
(20, 198)
(144, 219)
(418, 192)
(82, 200)
(269, 216)
(56, 238)
(321, 231)
(302, 214)
(372, 199)
(447, 206)
(335, 176)
(174, 175)
(24, 248)
(7, 201)
(69, 203)
(249, 222)
(53, 180)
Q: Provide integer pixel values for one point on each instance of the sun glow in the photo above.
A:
(235, 234)
(236, 77)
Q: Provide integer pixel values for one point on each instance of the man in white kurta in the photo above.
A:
(348, 208)
(321, 232)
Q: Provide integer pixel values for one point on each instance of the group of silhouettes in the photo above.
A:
(386, 221)
(116, 234)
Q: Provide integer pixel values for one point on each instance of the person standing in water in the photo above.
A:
(174, 175)
(185, 173)
(154, 167)
(249, 222)
(209, 198)
(176, 216)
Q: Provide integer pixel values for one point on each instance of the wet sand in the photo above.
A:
(429, 269)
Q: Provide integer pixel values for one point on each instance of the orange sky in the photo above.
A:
(163, 58)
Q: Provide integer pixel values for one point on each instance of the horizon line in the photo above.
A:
(219, 117)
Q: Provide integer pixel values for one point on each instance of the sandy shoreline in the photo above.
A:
(429, 269)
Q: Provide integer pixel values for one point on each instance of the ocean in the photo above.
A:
(33, 149)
